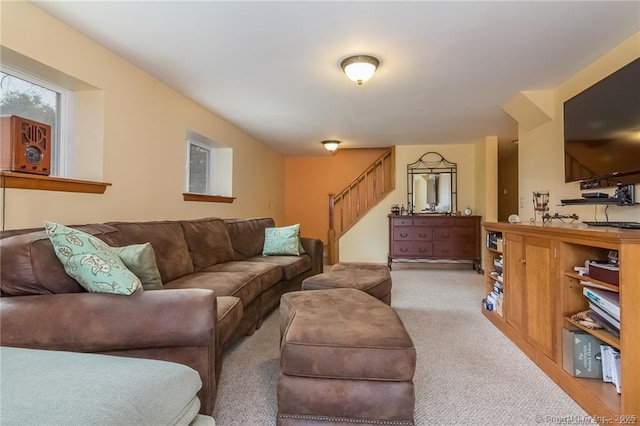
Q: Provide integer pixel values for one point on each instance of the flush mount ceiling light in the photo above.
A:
(360, 68)
(330, 145)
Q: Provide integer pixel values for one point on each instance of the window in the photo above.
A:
(32, 98)
(209, 168)
(199, 168)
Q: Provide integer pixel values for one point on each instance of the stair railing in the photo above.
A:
(352, 203)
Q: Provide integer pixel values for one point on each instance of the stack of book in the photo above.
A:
(604, 312)
(493, 301)
(604, 308)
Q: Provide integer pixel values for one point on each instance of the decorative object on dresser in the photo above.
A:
(434, 238)
(432, 185)
(25, 145)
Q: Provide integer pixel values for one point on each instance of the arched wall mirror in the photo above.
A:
(432, 185)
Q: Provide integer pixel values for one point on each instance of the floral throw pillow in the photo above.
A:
(283, 241)
(90, 261)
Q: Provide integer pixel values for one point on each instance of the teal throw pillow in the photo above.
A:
(141, 260)
(282, 241)
(90, 261)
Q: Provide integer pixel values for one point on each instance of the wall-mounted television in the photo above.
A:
(602, 131)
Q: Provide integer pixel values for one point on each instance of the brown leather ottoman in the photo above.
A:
(345, 358)
(371, 278)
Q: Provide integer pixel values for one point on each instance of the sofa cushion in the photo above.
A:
(229, 317)
(68, 388)
(208, 241)
(28, 264)
(292, 266)
(244, 285)
(91, 262)
(168, 241)
(267, 274)
(141, 260)
(247, 235)
(282, 241)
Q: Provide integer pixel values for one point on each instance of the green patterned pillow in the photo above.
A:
(282, 241)
(141, 260)
(90, 261)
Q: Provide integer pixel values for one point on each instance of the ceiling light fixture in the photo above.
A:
(360, 68)
(330, 145)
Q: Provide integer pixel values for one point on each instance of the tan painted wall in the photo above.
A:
(368, 240)
(541, 150)
(144, 129)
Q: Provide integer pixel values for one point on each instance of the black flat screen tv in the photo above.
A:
(602, 130)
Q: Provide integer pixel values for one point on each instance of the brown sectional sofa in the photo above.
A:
(217, 287)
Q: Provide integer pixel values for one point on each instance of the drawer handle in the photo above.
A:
(403, 235)
(403, 250)
(422, 250)
(523, 261)
(422, 235)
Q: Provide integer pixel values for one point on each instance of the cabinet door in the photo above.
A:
(514, 281)
(540, 294)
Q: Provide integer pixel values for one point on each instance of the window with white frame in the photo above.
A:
(209, 166)
(30, 97)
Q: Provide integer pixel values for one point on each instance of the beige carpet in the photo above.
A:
(467, 373)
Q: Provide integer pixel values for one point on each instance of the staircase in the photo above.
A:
(361, 195)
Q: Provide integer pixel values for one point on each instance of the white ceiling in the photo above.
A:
(272, 68)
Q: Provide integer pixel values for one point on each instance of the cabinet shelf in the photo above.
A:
(601, 334)
(493, 250)
(610, 287)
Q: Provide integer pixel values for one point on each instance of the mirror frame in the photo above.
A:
(432, 163)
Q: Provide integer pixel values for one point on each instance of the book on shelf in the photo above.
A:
(592, 284)
(607, 300)
(611, 366)
(581, 354)
(606, 317)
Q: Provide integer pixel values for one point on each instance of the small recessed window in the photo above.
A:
(199, 168)
(209, 166)
(32, 98)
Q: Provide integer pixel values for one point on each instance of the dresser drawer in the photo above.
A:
(412, 249)
(456, 250)
(455, 234)
(396, 221)
(466, 222)
(433, 221)
(412, 234)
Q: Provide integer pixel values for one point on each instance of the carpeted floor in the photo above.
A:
(467, 372)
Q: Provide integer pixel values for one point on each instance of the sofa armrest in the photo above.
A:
(314, 249)
(92, 322)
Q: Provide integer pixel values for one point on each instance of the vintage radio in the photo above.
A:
(25, 145)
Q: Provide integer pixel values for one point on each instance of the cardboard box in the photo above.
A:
(581, 354)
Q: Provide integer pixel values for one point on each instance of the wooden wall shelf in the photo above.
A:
(188, 196)
(49, 183)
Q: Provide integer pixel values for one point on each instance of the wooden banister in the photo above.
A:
(351, 204)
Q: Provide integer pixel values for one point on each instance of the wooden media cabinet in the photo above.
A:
(541, 291)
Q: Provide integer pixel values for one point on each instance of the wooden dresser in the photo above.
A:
(434, 238)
